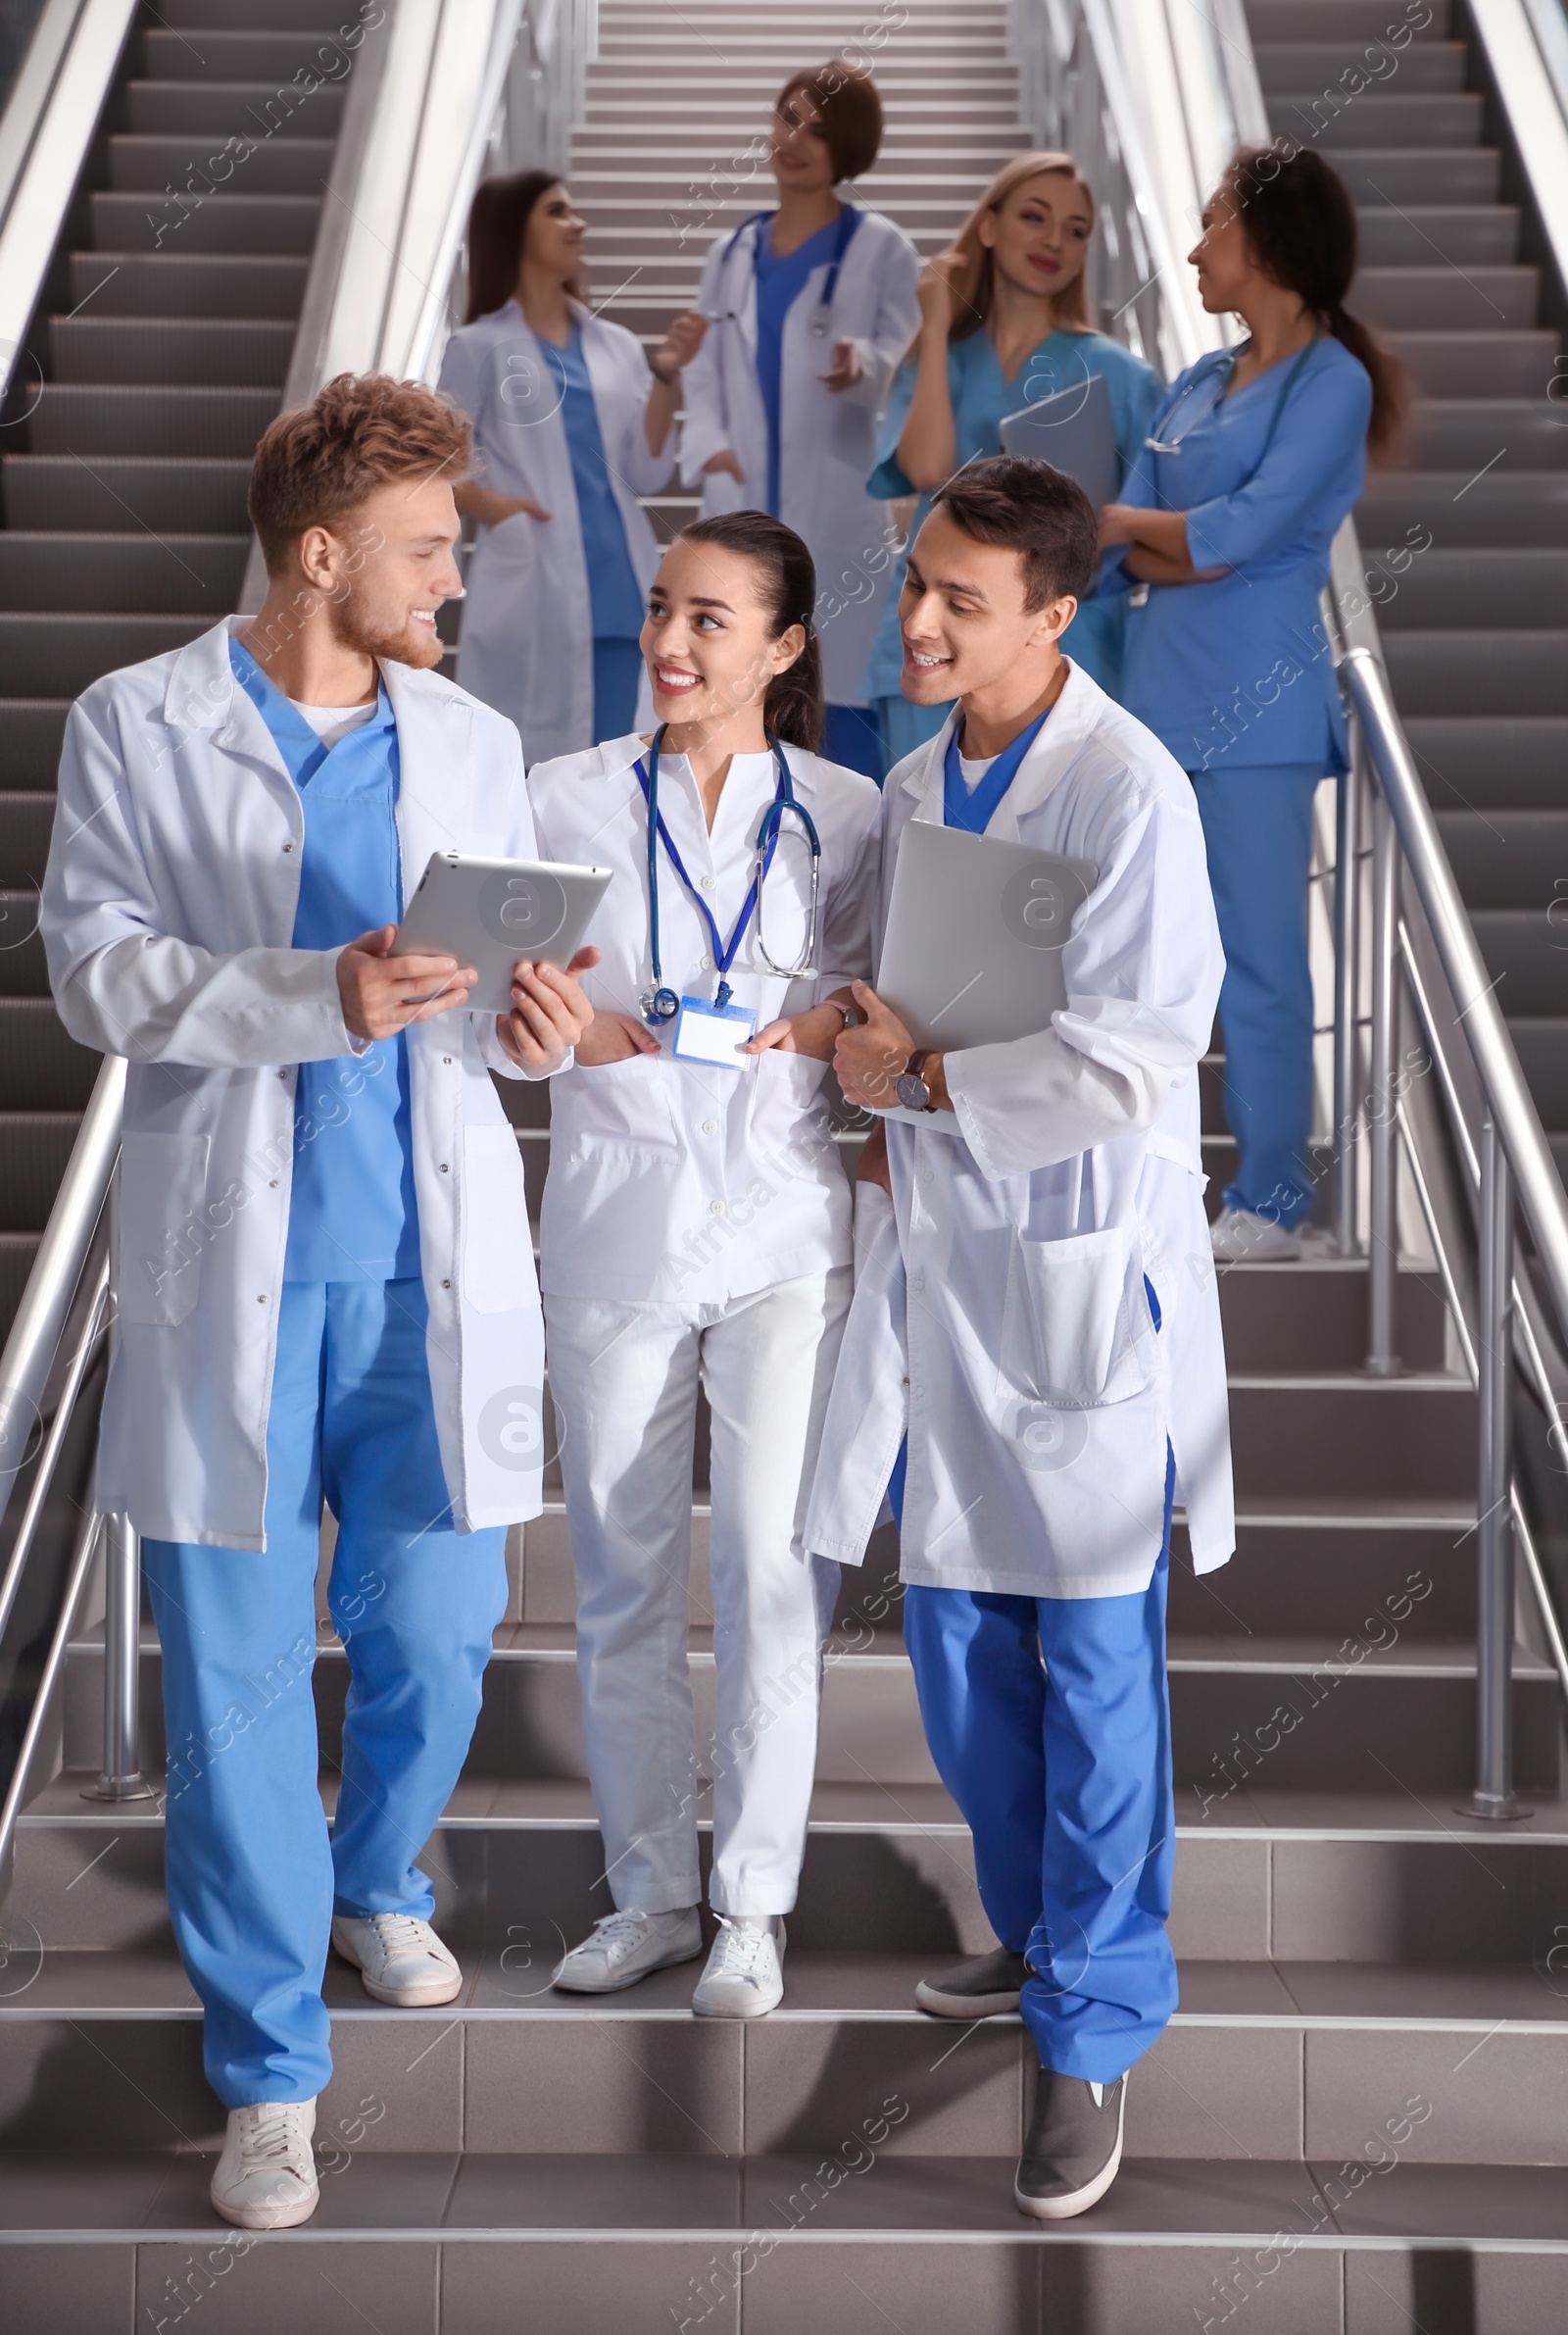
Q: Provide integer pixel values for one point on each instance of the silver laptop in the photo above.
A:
(972, 950)
(1073, 432)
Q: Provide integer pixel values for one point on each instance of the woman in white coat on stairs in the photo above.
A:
(697, 1232)
(809, 308)
(571, 427)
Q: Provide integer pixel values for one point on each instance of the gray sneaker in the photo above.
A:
(979, 1989)
(623, 1947)
(1072, 2149)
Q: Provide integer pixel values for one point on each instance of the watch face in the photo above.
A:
(912, 1092)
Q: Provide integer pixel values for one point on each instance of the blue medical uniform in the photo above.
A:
(982, 399)
(615, 598)
(1236, 678)
(253, 1879)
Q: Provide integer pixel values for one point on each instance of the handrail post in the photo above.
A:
(1346, 1048)
(1494, 1795)
(1383, 1358)
(121, 1777)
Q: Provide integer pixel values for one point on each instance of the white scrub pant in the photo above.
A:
(625, 1379)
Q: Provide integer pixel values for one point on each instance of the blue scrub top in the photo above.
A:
(981, 399)
(1241, 671)
(779, 284)
(614, 596)
(352, 1211)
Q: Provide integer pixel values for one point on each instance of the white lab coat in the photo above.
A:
(999, 1310)
(827, 438)
(167, 912)
(671, 1181)
(528, 623)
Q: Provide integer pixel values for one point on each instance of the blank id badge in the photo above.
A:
(712, 1034)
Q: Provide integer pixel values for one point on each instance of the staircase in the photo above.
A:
(162, 339)
(1354, 2124)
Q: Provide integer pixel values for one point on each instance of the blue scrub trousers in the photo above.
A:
(1257, 826)
(618, 676)
(1049, 1719)
(253, 1878)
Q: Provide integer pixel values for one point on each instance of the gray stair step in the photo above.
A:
(1505, 859)
(1511, 588)
(1414, 235)
(314, 16)
(1510, 765)
(1379, 118)
(116, 493)
(62, 655)
(1417, 174)
(204, 352)
(25, 823)
(248, 54)
(34, 1147)
(1541, 1045)
(1524, 506)
(22, 972)
(1351, 1436)
(1348, 22)
(296, 166)
(1454, 433)
(1477, 364)
(213, 109)
(1526, 948)
(1434, 298)
(167, 284)
(29, 742)
(179, 575)
(18, 1252)
(1480, 672)
(41, 1069)
(249, 224)
(201, 424)
(1326, 64)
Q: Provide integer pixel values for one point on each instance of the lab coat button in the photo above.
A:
(288, 847)
(447, 1058)
(709, 1126)
(707, 965)
(917, 1282)
(707, 882)
(716, 1208)
(445, 1168)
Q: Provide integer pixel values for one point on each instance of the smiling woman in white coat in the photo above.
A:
(809, 308)
(571, 425)
(695, 1233)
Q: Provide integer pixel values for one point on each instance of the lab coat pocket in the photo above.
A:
(159, 1227)
(497, 1246)
(1076, 1328)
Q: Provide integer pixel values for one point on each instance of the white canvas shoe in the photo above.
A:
(266, 2177)
(623, 1947)
(399, 1957)
(745, 1974)
(1238, 1237)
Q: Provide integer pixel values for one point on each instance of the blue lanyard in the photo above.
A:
(972, 811)
(660, 1004)
(849, 221)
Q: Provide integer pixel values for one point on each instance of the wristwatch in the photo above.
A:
(910, 1088)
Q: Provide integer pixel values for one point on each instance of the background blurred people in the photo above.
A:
(809, 308)
(1255, 456)
(1003, 322)
(571, 427)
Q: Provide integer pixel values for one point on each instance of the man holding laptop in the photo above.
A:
(1033, 1366)
(323, 1281)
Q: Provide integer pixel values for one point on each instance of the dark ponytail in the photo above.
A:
(792, 708)
(1301, 226)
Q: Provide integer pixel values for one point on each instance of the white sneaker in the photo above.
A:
(625, 1946)
(744, 1976)
(400, 1958)
(266, 2177)
(1238, 1237)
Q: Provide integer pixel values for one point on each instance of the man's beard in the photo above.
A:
(357, 629)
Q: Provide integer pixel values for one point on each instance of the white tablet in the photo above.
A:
(490, 912)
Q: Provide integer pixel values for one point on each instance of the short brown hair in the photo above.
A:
(1034, 509)
(848, 109)
(325, 459)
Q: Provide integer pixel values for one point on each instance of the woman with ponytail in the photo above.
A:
(1254, 457)
(695, 1233)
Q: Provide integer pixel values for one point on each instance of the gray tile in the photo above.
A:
(307, 2288)
(1233, 1990)
(343, 1987)
(1151, 2290)
(1219, 1898)
(1459, 2204)
(569, 2192)
(360, 2191)
(78, 2189)
(866, 2289)
(1380, 1990)
(1452, 1901)
(142, 2076)
(587, 2082)
(517, 1979)
(1246, 2200)
(943, 2089)
(397, 2083)
(67, 2288)
(578, 2289)
(865, 2189)
(1453, 2290)
(1438, 2098)
(1217, 2092)
(81, 1981)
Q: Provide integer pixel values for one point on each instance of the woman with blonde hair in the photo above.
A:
(1003, 322)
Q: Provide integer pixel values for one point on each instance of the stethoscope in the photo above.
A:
(823, 320)
(659, 1002)
(1221, 373)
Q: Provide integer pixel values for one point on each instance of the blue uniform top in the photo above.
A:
(614, 596)
(981, 399)
(352, 1211)
(779, 284)
(1240, 668)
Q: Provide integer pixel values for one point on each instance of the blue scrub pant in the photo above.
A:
(851, 737)
(253, 1878)
(1049, 1719)
(618, 678)
(1257, 826)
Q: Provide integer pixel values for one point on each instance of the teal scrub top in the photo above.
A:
(352, 1212)
(1239, 671)
(981, 402)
